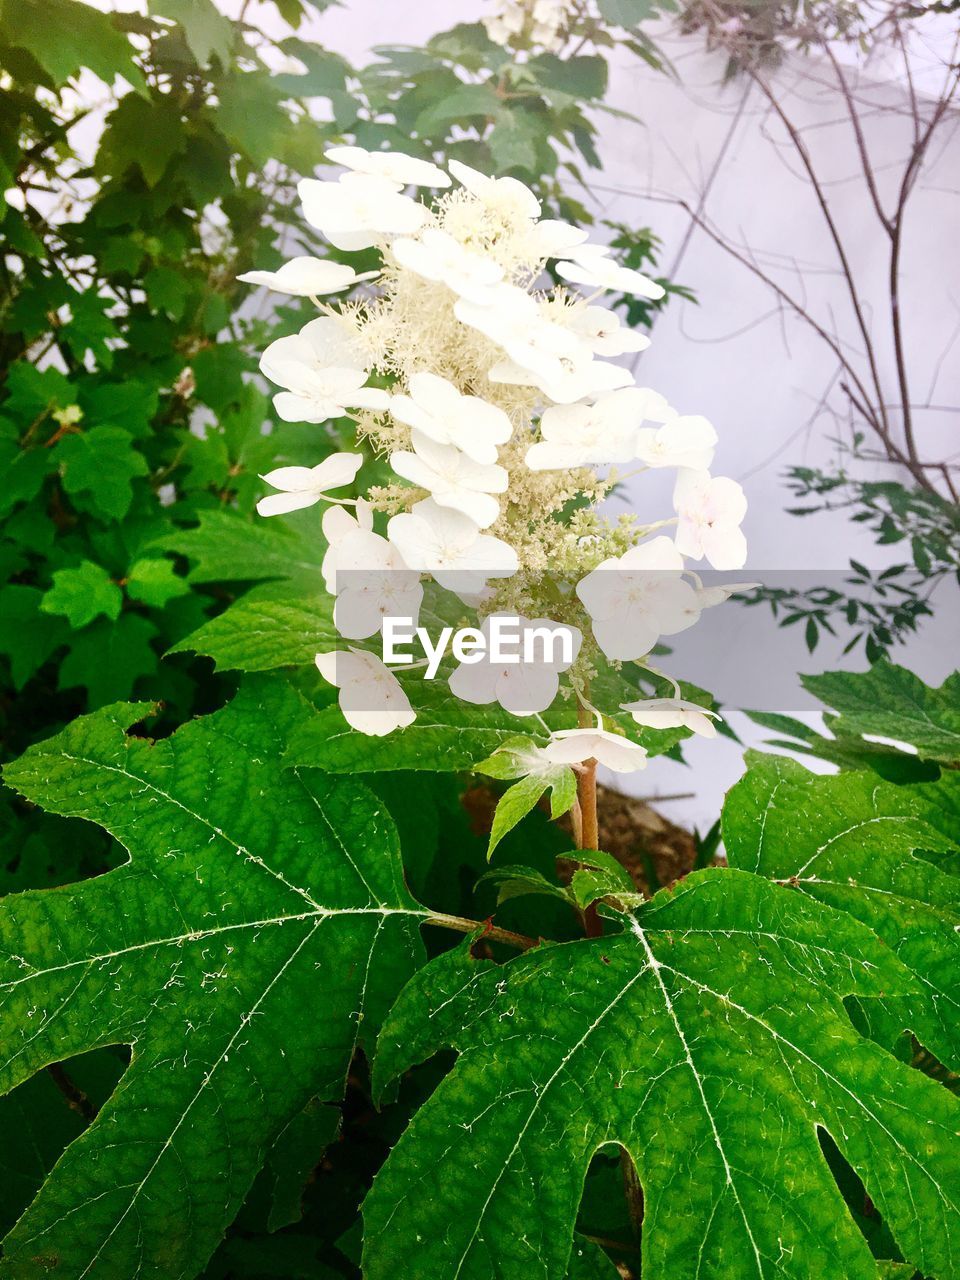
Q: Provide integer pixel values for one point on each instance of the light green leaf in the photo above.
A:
(155, 582)
(257, 634)
(626, 13)
(103, 463)
(258, 933)
(893, 703)
(710, 1039)
(64, 35)
(205, 29)
(854, 843)
(513, 806)
(226, 547)
(469, 101)
(82, 594)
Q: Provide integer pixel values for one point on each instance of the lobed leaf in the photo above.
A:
(711, 1041)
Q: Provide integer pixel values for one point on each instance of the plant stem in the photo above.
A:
(633, 1191)
(589, 837)
(462, 925)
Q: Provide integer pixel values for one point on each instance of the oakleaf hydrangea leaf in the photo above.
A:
(260, 928)
(893, 703)
(853, 842)
(710, 1039)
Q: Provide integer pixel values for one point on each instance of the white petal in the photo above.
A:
(278, 504)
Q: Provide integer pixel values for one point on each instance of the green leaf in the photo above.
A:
(626, 13)
(226, 547)
(464, 103)
(581, 77)
(27, 636)
(133, 121)
(103, 463)
(294, 1155)
(854, 843)
(258, 933)
(513, 806)
(710, 1039)
(82, 594)
(258, 634)
(155, 582)
(205, 29)
(893, 703)
(109, 658)
(64, 35)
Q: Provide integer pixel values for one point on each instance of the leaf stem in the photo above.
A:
(588, 834)
(461, 924)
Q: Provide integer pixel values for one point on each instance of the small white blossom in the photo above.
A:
(710, 510)
(437, 409)
(359, 210)
(603, 333)
(394, 166)
(371, 697)
(321, 369)
(453, 479)
(567, 381)
(509, 198)
(575, 746)
(523, 688)
(710, 597)
(438, 256)
(449, 545)
(683, 441)
(636, 598)
(372, 583)
(673, 713)
(308, 277)
(592, 265)
(551, 238)
(304, 486)
(338, 524)
(577, 435)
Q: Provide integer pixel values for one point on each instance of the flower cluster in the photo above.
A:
(504, 421)
(530, 23)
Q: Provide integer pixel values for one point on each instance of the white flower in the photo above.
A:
(372, 582)
(710, 509)
(337, 525)
(371, 697)
(507, 197)
(683, 441)
(580, 435)
(522, 688)
(359, 210)
(551, 238)
(438, 256)
(568, 381)
(438, 410)
(394, 166)
(308, 277)
(574, 746)
(321, 369)
(636, 598)
(592, 265)
(709, 597)
(673, 713)
(304, 486)
(452, 478)
(449, 545)
(603, 333)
